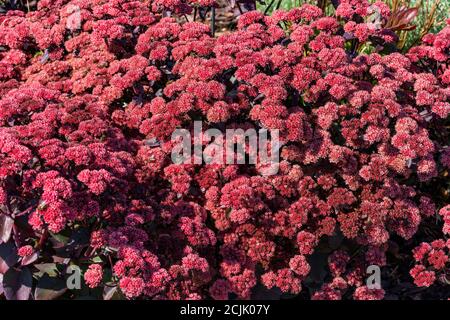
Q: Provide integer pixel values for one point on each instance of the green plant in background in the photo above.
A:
(268, 6)
(430, 18)
(411, 19)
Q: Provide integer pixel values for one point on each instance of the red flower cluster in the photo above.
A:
(87, 115)
(93, 276)
(433, 259)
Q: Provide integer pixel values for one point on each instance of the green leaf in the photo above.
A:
(59, 238)
(39, 53)
(50, 269)
(97, 259)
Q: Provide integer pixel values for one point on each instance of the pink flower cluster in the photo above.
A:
(347, 273)
(433, 259)
(87, 115)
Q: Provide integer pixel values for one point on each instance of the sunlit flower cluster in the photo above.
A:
(85, 141)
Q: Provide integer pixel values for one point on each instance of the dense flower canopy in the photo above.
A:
(87, 112)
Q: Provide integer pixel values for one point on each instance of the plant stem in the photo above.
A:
(213, 21)
(268, 7)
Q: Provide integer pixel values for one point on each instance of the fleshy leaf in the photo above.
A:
(1, 284)
(6, 224)
(17, 284)
(30, 259)
(49, 288)
(109, 292)
(8, 256)
(49, 268)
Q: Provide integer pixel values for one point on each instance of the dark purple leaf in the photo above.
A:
(78, 240)
(49, 288)
(202, 11)
(6, 224)
(335, 241)
(318, 262)
(408, 15)
(1, 284)
(335, 3)
(8, 256)
(62, 260)
(109, 292)
(45, 56)
(401, 19)
(17, 284)
(260, 292)
(30, 259)
(250, 5)
(348, 36)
